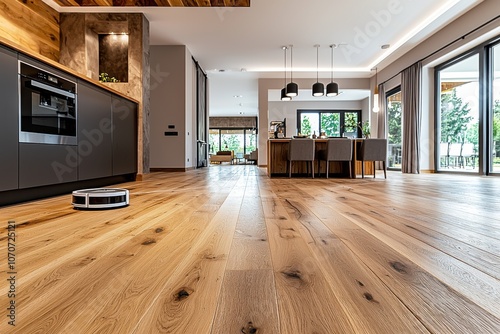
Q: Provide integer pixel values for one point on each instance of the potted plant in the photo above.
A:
(365, 129)
(350, 125)
(104, 77)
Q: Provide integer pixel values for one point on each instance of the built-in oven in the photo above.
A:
(47, 108)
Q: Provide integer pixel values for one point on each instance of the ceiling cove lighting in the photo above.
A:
(332, 89)
(375, 93)
(292, 89)
(318, 89)
(284, 97)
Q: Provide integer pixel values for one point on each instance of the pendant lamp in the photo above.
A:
(375, 93)
(284, 97)
(292, 89)
(332, 89)
(318, 89)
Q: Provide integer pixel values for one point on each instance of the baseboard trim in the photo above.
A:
(427, 171)
(171, 170)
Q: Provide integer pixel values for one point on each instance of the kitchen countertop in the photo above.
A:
(25, 51)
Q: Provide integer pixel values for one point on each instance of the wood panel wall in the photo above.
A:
(31, 24)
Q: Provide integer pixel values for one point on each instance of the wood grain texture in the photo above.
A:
(277, 161)
(247, 303)
(31, 24)
(226, 249)
(164, 3)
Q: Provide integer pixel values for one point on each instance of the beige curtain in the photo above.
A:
(381, 118)
(411, 104)
(382, 113)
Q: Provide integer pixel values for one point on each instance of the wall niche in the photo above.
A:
(113, 57)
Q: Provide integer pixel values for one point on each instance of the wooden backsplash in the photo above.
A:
(31, 24)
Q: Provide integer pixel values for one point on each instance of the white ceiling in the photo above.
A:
(236, 46)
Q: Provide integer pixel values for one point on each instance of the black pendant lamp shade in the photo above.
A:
(332, 89)
(318, 89)
(284, 97)
(292, 89)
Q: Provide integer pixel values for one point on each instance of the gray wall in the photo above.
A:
(172, 103)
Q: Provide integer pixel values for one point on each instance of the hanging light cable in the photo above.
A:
(292, 89)
(318, 89)
(375, 93)
(332, 89)
(284, 97)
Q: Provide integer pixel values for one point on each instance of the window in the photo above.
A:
(494, 114)
(241, 141)
(334, 123)
(459, 115)
(394, 128)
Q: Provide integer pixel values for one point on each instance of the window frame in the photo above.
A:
(342, 113)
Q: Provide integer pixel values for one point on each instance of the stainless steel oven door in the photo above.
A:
(47, 108)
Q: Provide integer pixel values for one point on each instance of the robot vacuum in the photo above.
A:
(100, 198)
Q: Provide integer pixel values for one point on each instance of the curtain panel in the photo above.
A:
(411, 81)
(381, 118)
(382, 113)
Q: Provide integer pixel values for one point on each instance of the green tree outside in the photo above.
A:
(394, 123)
(455, 119)
(305, 126)
(496, 132)
(330, 124)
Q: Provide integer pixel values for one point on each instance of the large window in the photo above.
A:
(241, 141)
(334, 123)
(394, 128)
(468, 115)
(459, 115)
(494, 130)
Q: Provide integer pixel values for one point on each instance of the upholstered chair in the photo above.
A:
(373, 149)
(301, 150)
(336, 150)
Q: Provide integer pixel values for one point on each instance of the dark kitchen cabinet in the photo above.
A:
(95, 127)
(9, 120)
(124, 136)
(47, 164)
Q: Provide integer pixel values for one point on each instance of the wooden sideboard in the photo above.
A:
(277, 160)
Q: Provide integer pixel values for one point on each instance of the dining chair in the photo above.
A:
(373, 149)
(336, 150)
(301, 150)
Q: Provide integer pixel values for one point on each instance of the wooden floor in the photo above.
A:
(225, 249)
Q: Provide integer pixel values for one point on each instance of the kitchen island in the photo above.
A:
(277, 160)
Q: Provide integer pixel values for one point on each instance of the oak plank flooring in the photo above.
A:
(423, 252)
(247, 303)
(362, 297)
(436, 299)
(225, 249)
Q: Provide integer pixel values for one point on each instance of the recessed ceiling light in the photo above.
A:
(385, 46)
(237, 96)
(222, 70)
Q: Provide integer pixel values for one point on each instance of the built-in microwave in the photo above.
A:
(47, 107)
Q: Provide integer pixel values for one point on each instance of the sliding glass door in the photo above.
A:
(494, 111)
(394, 128)
(459, 110)
(241, 141)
